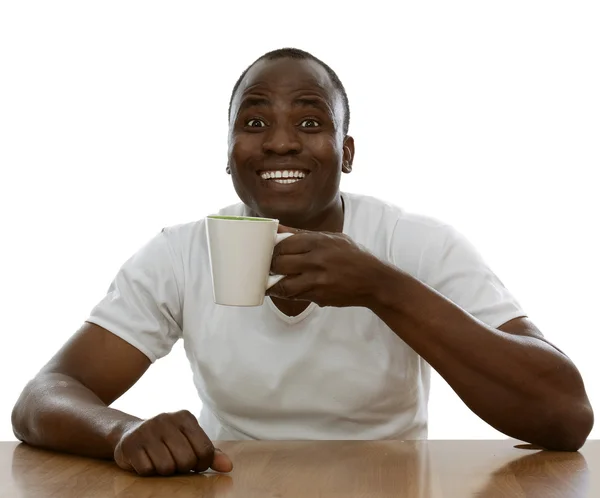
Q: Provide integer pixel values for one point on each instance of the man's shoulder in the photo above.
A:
(371, 209)
(183, 234)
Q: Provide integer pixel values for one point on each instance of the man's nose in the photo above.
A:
(281, 140)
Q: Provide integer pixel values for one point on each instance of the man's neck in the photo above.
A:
(331, 220)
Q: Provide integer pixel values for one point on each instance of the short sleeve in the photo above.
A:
(451, 265)
(143, 304)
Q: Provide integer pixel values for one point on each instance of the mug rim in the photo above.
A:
(222, 217)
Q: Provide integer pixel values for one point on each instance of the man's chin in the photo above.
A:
(286, 214)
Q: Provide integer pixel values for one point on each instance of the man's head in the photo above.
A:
(297, 54)
(288, 142)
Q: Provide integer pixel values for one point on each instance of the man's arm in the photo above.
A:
(511, 377)
(65, 407)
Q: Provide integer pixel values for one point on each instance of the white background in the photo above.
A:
(113, 124)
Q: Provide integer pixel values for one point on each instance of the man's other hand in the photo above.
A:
(170, 443)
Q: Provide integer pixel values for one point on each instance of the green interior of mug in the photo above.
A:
(239, 218)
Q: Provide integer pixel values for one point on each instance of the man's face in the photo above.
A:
(287, 149)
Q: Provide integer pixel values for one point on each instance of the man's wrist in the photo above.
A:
(121, 424)
(385, 282)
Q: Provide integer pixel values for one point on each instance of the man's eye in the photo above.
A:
(309, 123)
(256, 123)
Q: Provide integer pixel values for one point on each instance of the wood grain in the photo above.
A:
(341, 469)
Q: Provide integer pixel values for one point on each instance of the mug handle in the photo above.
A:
(273, 279)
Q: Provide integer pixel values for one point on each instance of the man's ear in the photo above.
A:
(228, 169)
(348, 155)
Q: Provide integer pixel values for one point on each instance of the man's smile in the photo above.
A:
(283, 180)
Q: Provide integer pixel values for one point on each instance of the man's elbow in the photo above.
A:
(572, 429)
(18, 426)
(21, 415)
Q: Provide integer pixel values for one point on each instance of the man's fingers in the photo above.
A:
(181, 450)
(301, 243)
(283, 229)
(290, 264)
(200, 443)
(293, 287)
(161, 458)
(221, 462)
(140, 462)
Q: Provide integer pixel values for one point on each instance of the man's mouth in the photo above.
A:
(284, 177)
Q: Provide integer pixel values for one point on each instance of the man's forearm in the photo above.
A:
(59, 413)
(521, 385)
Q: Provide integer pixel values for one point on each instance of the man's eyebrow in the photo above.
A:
(254, 102)
(312, 102)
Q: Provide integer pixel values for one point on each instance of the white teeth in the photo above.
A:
(294, 175)
(286, 181)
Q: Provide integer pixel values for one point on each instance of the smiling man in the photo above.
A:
(342, 348)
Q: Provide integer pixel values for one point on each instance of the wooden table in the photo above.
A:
(344, 469)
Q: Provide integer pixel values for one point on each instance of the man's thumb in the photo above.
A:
(221, 462)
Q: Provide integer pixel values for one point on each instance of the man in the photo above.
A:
(342, 346)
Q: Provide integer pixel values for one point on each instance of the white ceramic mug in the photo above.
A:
(240, 250)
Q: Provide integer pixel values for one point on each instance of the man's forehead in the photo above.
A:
(288, 75)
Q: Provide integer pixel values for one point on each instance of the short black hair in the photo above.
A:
(295, 53)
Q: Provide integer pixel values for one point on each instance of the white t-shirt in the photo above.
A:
(328, 373)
